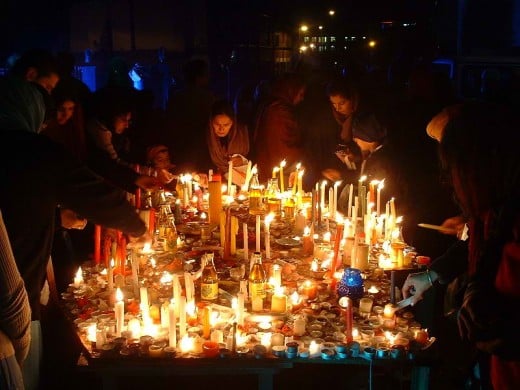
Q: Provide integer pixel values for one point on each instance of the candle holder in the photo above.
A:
(351, 284)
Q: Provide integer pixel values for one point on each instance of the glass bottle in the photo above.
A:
(255, 196)
(274, 200)
(257, 277)
(167, 232)
(209, 280)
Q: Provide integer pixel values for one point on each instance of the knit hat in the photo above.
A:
(367, 128)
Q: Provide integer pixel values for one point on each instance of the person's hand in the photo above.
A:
(202, 179)
(238, 161)
(454, 225)
(141, 241)
(416, 284)
(164, 176)
(148, 183)
(71, 220)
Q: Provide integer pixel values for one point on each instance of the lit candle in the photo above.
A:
(240, 307)
(257, 233)
(176, 292)
(282, 165)
(322, 198)
(78, 279)
(314, 349)
(337, 241)
(206, 323)
(119, 310)
(331, 202)
(234, 231)
(309, 289)
(299, 326)
(279, 301)
(307, 244)
(182, 316)
(295, 181)
(335, 199)
(145, 306)
(350, 198)
(275, 172)
(230, 176)
(249, 174)
(246, 241)
(378, 202)
(267, 234)
(300, 183)
(172, 325)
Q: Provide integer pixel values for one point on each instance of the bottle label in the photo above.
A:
(257, 289)
(209, 291)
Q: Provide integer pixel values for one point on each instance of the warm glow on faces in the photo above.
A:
(342, 105)
(122, 122)
(162, 159)
(65, 111)
(221, 124)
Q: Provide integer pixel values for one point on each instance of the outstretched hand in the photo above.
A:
(416, 285)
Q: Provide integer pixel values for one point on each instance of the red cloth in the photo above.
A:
(506, 374)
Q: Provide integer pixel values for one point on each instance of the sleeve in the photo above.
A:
(90, 195)
(452, 263)
(15, 312)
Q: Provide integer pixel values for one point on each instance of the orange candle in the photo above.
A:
(97, 244)
(339, 236)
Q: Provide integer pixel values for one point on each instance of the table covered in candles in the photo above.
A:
(328, 298)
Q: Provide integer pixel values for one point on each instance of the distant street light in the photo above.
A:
(304, 28)
(332, 12)
(372, 43)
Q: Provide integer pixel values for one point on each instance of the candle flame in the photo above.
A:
(119, 295)
(91, 332)
(300, 174)
(298, 166)
(254, 170)
(203, 216)
(306, 231)
(362, 179)
(283, 163)
(381, 184)
(166, 278)
(268, 219)
(336, 184)
(323, 183)
(79, 274)
(295, 298)
(276, 169)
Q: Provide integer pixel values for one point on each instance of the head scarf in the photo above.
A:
(21, 106)
(238, 143)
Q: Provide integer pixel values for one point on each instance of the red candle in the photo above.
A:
(346, 304)
(97, 244)
(151, 221)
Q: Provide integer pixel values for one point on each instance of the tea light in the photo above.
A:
(299, 326)
(277, 339)
(314, 349)
(389, 311)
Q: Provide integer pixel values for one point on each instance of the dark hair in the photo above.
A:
(222, 107)
(42, 60)
(343, 87)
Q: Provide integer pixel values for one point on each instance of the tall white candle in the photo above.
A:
(277, 275)
(335, 210)
(380, 186)
(182, 316)
(135, 276)
(322, 196)
(188, 285)
(172, 325)
(145, 306)
(119, 310)
(350, 197)
(246, 241)
(240, 304)
(230, 176)
(257, 233)
(176, 292)
(267, 234)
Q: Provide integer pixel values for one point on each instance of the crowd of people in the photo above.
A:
(69, 155)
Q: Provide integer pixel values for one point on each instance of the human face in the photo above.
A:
(342, 105)
(65, 111)
(221, 125)
(122, 122)
(162, 159)
(48, 82)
